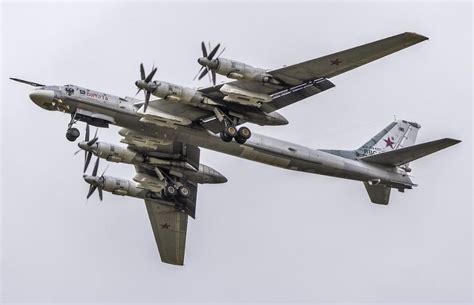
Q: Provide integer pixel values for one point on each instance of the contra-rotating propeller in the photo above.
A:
(208, 63)
(95, 181)
(86, 145)
(145, 83)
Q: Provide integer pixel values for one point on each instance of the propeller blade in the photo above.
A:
(106, 168)
(214, 51)
(203, 48)
(92, 142)
(87, 133)
(213, 77)
(94, 139)
(147, 100)
(220, 53)
(88, 160)
(203, 74)
(150, 76)
(138, 91)
(91, 190)
(96, 167)
(142, 72)
(77, 151)
(100, 194)
(27, 82)
(199, 72)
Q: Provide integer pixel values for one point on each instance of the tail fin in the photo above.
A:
(397, 135)
(395, 146)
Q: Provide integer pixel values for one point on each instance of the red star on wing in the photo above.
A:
(335, 62)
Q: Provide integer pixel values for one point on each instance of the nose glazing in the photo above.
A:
(41, 97)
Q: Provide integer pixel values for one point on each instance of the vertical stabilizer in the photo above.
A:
(396, 135)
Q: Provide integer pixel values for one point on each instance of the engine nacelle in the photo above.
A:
(122, 187)
(116, 153)
(238, 70)
(177, 93)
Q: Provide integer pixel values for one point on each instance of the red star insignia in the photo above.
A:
(389, 142)
(335, 62)
(165, 226)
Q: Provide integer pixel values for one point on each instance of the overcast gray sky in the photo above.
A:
(252, 241)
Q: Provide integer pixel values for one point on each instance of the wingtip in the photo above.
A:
(452, 141)
(418, 36)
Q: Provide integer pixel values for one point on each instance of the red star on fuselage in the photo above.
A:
(389, 142)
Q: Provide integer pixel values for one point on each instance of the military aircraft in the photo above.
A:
(163, 136)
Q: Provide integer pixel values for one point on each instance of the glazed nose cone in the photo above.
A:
(41, 97)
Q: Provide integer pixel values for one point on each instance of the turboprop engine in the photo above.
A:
(230, 68)
(116, 186)
(169, 91)
(113, 153)
(174, 92)
(116, 153)
(238, 70)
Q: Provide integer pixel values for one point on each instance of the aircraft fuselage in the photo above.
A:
(102, 109)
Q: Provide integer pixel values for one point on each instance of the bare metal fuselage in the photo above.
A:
(258, 148)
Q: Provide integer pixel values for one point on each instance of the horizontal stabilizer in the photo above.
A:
(379, 194)
(407, 154)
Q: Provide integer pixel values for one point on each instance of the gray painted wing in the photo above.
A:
(180, 109)
(308, 78)
(285, 98)
(340, 62)
(168, 223)
(169, 228)
(407, 154)
(282, 96)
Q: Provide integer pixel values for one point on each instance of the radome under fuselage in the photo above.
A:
(259, 148)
